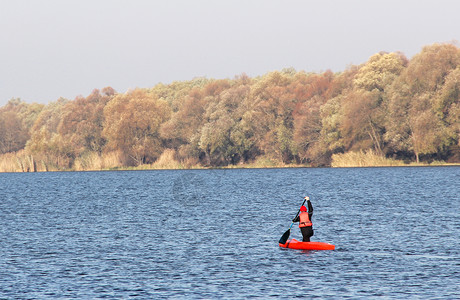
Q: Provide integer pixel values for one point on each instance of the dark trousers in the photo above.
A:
(307, 232)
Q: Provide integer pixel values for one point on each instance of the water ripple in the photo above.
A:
(213, 234)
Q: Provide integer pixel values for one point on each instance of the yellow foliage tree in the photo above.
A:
(379, 71)
(132, 122)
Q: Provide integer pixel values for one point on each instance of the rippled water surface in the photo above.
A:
(214, 233)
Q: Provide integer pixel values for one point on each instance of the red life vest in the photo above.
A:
(304, 220)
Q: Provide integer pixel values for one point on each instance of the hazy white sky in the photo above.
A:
(54, 48)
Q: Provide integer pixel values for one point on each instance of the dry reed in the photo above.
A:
(363, 159)
(95, 162)
(18, 162)
(167, 160)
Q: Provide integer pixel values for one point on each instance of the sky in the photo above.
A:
(66, 48)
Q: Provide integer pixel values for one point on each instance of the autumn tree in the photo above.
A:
(45, 142)
(175, 92)
(224, 137)
(183, 131)
(311, 92)
(132, 122)
(413, 124)
(271, 107)
(82, 122)
(331, 112)
(16, 119)
(331, 136)
(447, 104)
(362, 123)
(13, 135)
(380, 71)
(364, 105)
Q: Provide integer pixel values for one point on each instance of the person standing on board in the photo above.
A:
(304, 219)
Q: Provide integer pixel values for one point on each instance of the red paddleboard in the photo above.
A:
(295, 244)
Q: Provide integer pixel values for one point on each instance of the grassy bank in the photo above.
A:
(23, 162)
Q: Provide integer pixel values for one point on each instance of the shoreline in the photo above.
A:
(248, 166)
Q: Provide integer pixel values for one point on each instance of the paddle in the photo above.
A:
(285, 236)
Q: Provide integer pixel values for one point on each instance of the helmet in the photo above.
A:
(303, 208)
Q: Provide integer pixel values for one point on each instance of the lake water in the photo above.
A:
(210, 234)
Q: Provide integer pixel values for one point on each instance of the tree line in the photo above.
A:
(398, 108)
